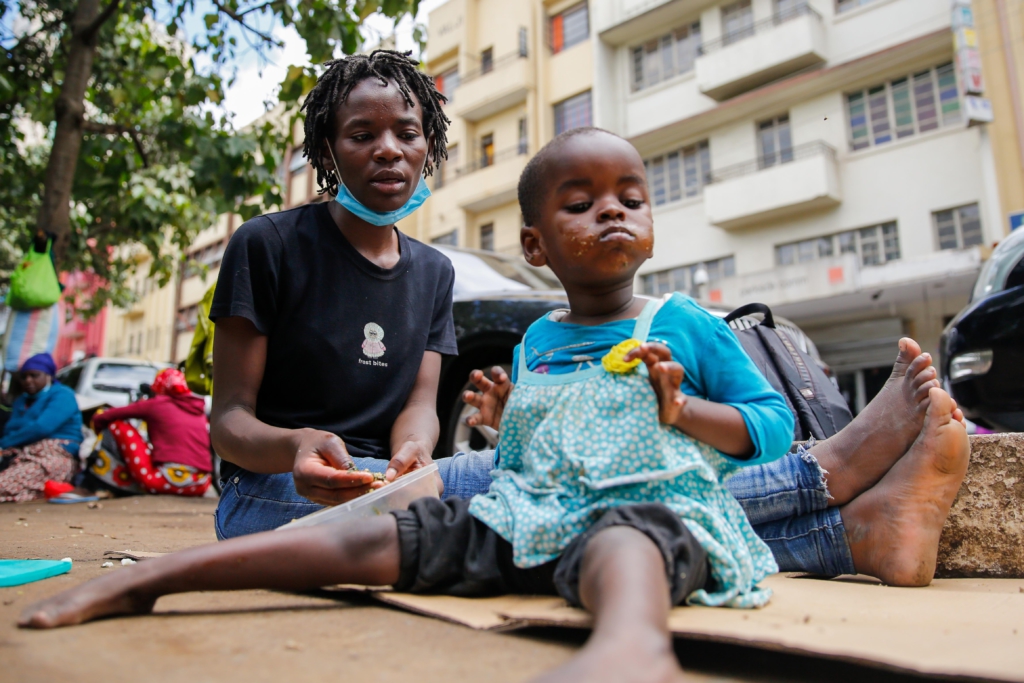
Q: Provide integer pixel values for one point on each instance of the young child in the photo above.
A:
(607, 492)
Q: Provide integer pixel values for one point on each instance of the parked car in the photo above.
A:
(496, 298)
(981, 353)
(115, 381)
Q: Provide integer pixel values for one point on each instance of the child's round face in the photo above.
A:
(379, 144)
(595, 225)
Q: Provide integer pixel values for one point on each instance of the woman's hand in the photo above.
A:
(411, 456)
(666, 376)
(490, 402)
(324, 472)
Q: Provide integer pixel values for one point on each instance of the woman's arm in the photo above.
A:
(318, 460)
(415, 432)
(58, 409)
(138, 410)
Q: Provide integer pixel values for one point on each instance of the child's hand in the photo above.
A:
(666, 377)
(491, 399)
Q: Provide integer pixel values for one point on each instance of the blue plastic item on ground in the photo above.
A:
(17, 572)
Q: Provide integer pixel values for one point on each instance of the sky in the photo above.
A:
(257, 83)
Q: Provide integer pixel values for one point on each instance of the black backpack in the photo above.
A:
(818, 407)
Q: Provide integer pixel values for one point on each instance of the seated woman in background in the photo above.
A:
(41, 439)
(175, 460)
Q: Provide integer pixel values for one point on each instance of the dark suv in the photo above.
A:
(496, 298)
(982, 348)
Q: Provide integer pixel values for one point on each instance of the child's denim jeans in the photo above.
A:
(786, 501)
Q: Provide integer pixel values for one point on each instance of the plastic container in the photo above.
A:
(394, 496)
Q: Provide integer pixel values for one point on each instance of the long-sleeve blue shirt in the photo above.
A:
(53, 414)
(715, 365)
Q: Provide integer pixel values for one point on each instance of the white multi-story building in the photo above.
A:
(813, 155)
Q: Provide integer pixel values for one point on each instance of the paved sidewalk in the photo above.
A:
(256, 636)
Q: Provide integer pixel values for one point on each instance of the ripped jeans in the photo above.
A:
(787, 503)
(785, 500)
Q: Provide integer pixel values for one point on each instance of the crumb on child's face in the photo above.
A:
(595, 225)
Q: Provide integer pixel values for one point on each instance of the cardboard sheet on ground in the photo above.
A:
(955, 627)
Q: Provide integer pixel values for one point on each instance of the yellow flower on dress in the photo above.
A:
(613, 360)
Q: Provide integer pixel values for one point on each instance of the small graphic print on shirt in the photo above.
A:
(373, 347)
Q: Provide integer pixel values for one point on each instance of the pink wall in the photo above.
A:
(78, 334)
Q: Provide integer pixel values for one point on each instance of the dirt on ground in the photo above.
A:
(256, 636)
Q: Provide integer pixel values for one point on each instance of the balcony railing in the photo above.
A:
(494, 159)
(757, 27)
(782, 156)
(495, 65)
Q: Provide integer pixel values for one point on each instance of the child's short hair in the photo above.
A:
(532, 182)
(334, 85)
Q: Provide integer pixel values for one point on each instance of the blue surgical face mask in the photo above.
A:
(357, 208)
(372, 217)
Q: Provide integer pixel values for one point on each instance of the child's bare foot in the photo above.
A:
(859, 456)
(103, 597)
(894, 527)
(620, 661)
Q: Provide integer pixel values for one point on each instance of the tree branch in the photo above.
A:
(257, 8)
(92, 29)
(240, 18)
(116, 129)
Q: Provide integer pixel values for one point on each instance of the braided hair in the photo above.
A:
(335, 84)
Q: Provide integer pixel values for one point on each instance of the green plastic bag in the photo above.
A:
(199, 362)
(34, 282)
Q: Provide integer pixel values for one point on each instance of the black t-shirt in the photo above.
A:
(345, 336)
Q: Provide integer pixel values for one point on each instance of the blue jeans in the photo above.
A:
(785, 500)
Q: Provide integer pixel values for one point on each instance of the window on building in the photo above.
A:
(847, 5)
(787, 9)
(447, 82)
(873, 245)
(906, 106)
(569, 27)
(737, 21)
(523, 142)
(487, 60)
(450, 170)
(678, 174)
(958, 228)
(487, 237)
(449, 238)
(524, 42)
(573, 113)
(487, 150)
(680, 279)
(670, 55)
(776, 141)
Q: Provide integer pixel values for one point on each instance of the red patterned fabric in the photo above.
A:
(169, 382)
(130, 466)
(32, 466)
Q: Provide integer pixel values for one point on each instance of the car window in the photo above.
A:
(993, 274)
(122, 375)
(477, 273)
(70, 377)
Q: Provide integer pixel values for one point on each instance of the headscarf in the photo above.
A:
(170, 382)
(42, 362)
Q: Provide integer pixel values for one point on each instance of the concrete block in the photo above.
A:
(984, 535)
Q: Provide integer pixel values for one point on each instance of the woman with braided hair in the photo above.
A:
(331, 322)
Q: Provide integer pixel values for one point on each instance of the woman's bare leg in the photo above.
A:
(623, 584)
(894, 527)
(296, 560)
(858, 456)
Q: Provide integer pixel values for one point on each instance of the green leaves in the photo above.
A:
(159, 158)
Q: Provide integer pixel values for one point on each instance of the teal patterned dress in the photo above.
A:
(575, 445)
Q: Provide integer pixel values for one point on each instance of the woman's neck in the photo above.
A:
(377, 243)
(595, 307)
